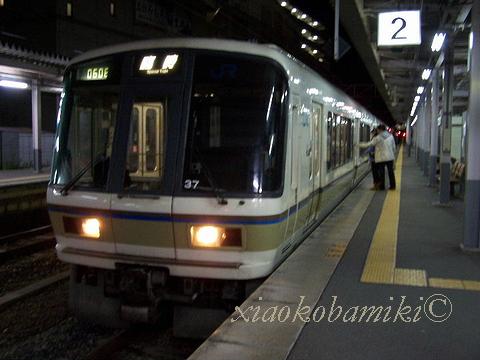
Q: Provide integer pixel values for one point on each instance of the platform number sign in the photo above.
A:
(399, 28)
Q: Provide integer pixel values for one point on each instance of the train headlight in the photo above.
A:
(207, 236)
(91, 228)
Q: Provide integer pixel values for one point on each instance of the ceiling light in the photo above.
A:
(315, 51)
(304, 16)
(315, 37)
(13, 84)
(304, 31)
(315, 23)
(417, 98)
(304, 46)
(420, 90)
(283, 4)
(294, 10)
(437, 42)
(426, 74)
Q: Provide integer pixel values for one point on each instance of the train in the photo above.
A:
(187, 170)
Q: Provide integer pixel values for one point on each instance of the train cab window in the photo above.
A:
(85, 149)
(146, 143)
(237, 125)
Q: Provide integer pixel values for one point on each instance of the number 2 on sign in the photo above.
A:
(404, 23)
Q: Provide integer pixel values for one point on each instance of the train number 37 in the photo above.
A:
(191, 184)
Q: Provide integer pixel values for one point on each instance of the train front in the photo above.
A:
(167, 179)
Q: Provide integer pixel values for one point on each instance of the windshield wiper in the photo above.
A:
(78, 176)
(216, 190)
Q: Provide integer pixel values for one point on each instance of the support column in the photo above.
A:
(427, 114)
(421, 133)
(408, 139)
(434, 129)
(446, 132)
(36, 127)
(415, 134)
(471, 237)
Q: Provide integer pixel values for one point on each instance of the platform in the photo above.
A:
(392, 285)
(23, 177)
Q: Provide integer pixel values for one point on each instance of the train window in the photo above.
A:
(145, 157)
(86, 146)
(237, 126)
(339, 140)
(329, 140)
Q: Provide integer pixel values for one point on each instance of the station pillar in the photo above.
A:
(446, 131)
(427, 116)
(408, 139)
(471, 233)
(434, 129)
(36, 126)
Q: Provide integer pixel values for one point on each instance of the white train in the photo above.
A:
(185, 169)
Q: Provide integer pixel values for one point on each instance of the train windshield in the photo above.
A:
(87, 132)
(236, 127)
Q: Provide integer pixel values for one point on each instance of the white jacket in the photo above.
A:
(384, 147)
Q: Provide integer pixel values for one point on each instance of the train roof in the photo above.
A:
(266, 50)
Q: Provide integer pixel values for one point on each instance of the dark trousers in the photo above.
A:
(381, 174)
(374, 172)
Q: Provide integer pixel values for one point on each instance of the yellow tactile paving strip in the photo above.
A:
(412, 277)
(380, 265)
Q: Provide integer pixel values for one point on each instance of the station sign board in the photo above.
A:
(398, 28)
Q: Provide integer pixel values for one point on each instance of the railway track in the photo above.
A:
(143, 342)
(26, 242)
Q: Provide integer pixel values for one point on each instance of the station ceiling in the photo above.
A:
(394, 73)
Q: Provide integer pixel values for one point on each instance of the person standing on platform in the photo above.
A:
(371, 157)
(384, 155)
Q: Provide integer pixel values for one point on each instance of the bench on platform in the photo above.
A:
(456, 175)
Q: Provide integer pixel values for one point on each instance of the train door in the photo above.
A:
(141, 206)
(305, 149)
(294, 167)
(316, 163)
(145, 141)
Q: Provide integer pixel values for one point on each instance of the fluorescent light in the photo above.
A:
(426, 74)
(283, 4)
(13, 84)
(414, 120)
(437, 42)
(470, 41)
(417, 98)
(414, 107)
(420, 90)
